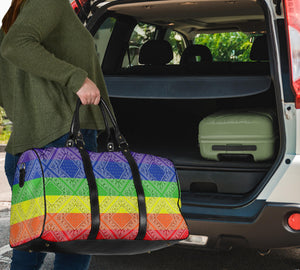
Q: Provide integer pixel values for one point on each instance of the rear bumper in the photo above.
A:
(269, 229)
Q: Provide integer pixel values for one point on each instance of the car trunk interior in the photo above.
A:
(165, 122)
(169, 128)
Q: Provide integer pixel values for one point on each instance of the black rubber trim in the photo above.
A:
(258, 231)
(140, 194)
(289, 95)
(94, 201)
(234, 148)
(81, 10)
(278, 7)
(93, 7)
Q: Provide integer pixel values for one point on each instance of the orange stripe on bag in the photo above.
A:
(29, 229)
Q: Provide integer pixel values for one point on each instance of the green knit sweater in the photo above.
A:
(45, 57)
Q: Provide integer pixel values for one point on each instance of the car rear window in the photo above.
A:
(227, 47)
(102, 37)
(224, 47)
(142, 33)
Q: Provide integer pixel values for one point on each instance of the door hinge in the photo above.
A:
(278, 6)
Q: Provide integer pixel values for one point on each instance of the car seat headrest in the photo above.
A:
(189, 54)
(259, 49)
(156, 52)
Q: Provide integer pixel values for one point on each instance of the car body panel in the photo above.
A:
(260, 220)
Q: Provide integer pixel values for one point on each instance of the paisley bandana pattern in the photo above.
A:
(54, 203)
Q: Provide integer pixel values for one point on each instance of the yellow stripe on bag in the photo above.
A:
(68, 204)
(81, 204)
(154, 205)
(27, 210)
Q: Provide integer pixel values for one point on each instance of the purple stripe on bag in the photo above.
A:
(66, 163)
(73, 154)
(27, 156)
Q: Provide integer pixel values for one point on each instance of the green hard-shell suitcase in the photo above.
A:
(237, 134)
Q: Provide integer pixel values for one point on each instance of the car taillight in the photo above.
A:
(75, 6)
(292, 11)
(294, 221)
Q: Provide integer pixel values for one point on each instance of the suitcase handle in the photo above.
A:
(75, 136)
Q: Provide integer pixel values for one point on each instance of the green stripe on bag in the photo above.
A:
(32, 189)
(79, 187)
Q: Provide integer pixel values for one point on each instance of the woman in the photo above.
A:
(47, 61)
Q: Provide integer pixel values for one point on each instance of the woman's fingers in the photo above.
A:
(97, 100)
(89, 93)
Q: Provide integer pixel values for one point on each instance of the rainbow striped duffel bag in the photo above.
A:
(72, 200)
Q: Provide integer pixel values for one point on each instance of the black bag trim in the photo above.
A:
(94, 200)
(179, 195)
(140, 194)
(76, 137)
(94, 5)
(110, 146)
(22, 176)
(123, 145)
(44, 191)
(234, 147)
(97, 247)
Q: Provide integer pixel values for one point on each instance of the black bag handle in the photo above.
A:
(75, 137)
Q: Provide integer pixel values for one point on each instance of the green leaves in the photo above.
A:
(227, 47)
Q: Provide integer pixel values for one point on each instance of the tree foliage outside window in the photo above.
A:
(141, 34)
(227, 47)
(178, 45)
(5, 127)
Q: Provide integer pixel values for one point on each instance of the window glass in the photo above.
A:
(178, 45)
(140, 35)
(102, 37)
(227, 47)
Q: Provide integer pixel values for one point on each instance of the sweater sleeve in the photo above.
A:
(23, 44)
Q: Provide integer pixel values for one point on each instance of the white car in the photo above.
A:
(248, 60)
